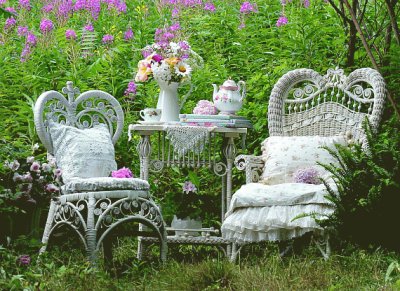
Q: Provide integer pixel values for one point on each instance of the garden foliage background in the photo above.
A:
(247, 45)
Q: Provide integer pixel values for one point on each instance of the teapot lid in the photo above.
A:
(229, 85)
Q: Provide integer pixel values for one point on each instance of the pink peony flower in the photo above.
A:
(122, 173)
(51, 188)
(35, 167)
(205, 107)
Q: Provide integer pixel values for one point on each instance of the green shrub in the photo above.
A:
(368, 189)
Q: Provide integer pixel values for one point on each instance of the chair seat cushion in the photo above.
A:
(265, 212)
(77, 185)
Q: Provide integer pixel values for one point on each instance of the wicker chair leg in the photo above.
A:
(164, 247)
(235, 251)
(47, 229)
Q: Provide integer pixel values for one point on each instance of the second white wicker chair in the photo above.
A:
(305, 108)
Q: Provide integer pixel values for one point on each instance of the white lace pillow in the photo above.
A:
(83, 153)
(284, 155)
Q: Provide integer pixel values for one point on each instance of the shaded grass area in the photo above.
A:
(201, 268)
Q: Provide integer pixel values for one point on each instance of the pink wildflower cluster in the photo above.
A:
(70, 34)
(24, 4)
(107, 39)
(179, 5)
(128, 35)
(131, 89)
(164, 36)
(282, 20)
(10, 23)
(307, 176)
(46, 25)
(247, 8)
(35, 179)
(205, 107)
(122, 173)
(24, 260)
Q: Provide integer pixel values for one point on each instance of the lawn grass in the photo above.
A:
(201, 268)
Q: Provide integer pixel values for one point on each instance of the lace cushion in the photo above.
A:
(284, 155)
(83, 153)
(77, 185)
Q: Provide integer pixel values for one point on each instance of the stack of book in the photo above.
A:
(214, 120)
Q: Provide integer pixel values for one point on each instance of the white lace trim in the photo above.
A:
(272, 223)
(188, 138)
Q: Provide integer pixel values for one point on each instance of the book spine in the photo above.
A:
(215, 117)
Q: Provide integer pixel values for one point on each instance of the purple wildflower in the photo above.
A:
(175, 12)
(89, 27)
(209, 6)
(70, 34)
(57, 172)
(24, 260)
(65, 8)
(25, 53)
(46, 25)
(10, 23)
(148, 50)
(306, 3)
(31, 39)
(176, 26)
(131, 89)
(10, 9)
(51, 188)
(121, 7)
(107, 39)
(184, 45)
(122, 173)
(2, 2)
(188, 187)
(247, 8)
(13, 166)
(307, 176)
(281, 21)
(25, 4)
(242, 25)
(35, 167)
(47, 8)
(128, 34)
(22, 30)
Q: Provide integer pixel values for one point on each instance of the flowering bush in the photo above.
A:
(167, 60)
(32, 180)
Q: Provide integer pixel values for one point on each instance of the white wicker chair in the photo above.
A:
(93, 215)
(304, 103)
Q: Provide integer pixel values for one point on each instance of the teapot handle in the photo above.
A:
(243, 90)
(183, 100)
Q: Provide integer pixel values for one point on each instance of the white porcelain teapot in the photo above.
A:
(229, 99)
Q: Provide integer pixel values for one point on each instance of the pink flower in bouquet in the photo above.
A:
(122, 173)
(144, 70)
(205, 107)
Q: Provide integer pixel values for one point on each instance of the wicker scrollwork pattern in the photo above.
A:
(303, 102)
(88, 109)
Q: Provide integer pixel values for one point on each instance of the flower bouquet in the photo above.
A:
(167, 62)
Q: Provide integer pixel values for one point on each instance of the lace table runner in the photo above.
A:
(188, 138)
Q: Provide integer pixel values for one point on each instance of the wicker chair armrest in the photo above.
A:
(253, 165)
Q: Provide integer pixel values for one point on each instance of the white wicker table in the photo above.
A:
(154, 159)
